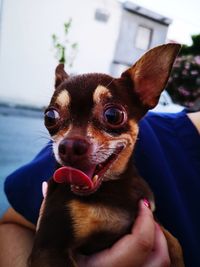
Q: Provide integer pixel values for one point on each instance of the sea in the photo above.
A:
(22, 136)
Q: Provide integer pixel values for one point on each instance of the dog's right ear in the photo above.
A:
(149, 75)
(60, 74)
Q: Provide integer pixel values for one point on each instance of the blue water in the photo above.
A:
(21, 138)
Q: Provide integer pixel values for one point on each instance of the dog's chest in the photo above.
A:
(91, 219)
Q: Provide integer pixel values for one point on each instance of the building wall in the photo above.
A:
(126, 53)
(27, 60)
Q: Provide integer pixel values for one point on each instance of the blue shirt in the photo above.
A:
(167, 155)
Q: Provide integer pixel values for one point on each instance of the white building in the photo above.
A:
(27, 59)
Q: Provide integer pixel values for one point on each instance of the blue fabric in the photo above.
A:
(24, 186)
(167, 155)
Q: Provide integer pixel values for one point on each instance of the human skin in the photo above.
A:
(145, 246)
(195, 119)
(16, 240)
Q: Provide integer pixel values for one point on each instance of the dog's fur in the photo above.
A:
(76, 222)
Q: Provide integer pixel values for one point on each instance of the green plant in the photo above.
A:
(194, 48)
(184, 82)
(65, 51)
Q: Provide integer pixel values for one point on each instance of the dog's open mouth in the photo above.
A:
(87, 181)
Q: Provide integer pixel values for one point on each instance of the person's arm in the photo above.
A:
(23, 188)
(195, 119)
(15, 245)
(11, 216)
(145, 246)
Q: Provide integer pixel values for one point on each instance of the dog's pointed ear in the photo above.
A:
(60, 75)
(149, 75)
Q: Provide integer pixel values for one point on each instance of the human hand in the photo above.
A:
(145, 246)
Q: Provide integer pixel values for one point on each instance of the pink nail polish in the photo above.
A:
(146, 203)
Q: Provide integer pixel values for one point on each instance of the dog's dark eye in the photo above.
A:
(114, 116)
(51, 117)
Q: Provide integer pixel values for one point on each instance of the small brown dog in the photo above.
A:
(94, 194)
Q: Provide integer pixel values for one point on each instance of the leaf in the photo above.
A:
(67, 26)
(74, 45)
(65, 50)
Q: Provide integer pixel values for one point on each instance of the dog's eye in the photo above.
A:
(114, 116)
(51, 117)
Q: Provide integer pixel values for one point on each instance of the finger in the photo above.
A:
(44, 189)
(160, 255)
(141, 241)
(133, 249)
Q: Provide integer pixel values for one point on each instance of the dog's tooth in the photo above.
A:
(77, 187)
(95, 178)
(85, 187)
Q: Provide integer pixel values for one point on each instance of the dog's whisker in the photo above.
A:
(44, 138)
(110, 83)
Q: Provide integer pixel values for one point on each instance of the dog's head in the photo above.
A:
(93, 118)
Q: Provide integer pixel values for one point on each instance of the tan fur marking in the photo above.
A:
(63, 99)
(89, 219)
(106, 141)
(62, 133)
(101, 92)
(120, 164)
(98, 136)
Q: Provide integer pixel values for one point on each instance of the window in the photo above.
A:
(101, 14)
(143, 37)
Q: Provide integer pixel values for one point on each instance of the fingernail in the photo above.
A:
(146, 203)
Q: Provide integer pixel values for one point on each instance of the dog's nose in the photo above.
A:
(72, 148)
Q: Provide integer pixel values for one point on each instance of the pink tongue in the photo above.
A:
(72, 176)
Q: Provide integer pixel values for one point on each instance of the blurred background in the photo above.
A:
(88, 36)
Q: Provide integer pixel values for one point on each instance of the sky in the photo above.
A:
(184, 13)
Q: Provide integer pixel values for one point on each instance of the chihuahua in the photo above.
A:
(92, 198)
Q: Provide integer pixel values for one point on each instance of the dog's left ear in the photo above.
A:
(149, 75)
(60, 74)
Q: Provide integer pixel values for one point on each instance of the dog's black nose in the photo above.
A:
(71, 149)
